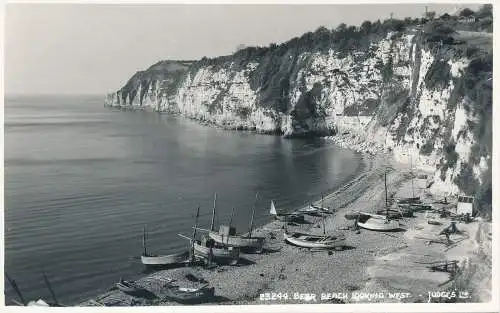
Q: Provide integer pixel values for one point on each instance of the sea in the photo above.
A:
(81, 182)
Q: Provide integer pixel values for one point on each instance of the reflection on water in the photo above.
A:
(81, 181)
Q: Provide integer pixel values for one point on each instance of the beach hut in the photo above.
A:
(465, 205)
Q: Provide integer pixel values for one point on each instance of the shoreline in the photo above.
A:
(362, 268)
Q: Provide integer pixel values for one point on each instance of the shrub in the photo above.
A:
(438, 75)
(466, 12)
(428, 147)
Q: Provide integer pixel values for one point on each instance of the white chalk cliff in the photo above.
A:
(398, 93)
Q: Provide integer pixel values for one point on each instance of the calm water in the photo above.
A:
(81, 181)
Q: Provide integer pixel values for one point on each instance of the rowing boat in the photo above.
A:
(312, 241)
(189, 295)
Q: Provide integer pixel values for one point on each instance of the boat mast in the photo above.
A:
(324, 228)
(194, 233)
(213, 212)
(50, 288)
(412, 178)
(231, 218)
(16, 288)
(144, 241)
(385, 186)
(253, 214)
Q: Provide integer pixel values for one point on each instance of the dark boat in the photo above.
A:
(133, 289)
(189, 295)
(409, 200)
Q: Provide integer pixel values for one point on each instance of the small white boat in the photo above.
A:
(310, 210)
(170, 259)
(161, 260)
(306, 240)
(377, 222)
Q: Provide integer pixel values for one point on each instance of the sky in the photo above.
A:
(95, 48)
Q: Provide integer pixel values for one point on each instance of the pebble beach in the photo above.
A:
(373, 267)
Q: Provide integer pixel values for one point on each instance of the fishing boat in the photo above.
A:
(321, 208)
(415, 207)
(311, 241)
(152, 260)
(163, 260)
(378, 222)
(408, 200)
(352, 215)
(227, 233)
(315, 241)
(391, 213)
(287, 217)
(133, 289)
(208, 250)
(227, 236)
(189, 295)
(310, 210)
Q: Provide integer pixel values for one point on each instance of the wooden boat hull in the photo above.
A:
(409, 200)
(290, 218)
(133, 290)
(159, 260)
(320, 242)
(253, 243)
(379, 224)
(189, 296)
(217, 255)
(320, 209)
(395, 214)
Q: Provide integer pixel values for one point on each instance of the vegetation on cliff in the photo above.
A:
(279, 84)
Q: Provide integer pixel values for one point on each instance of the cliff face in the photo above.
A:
(418, 91)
